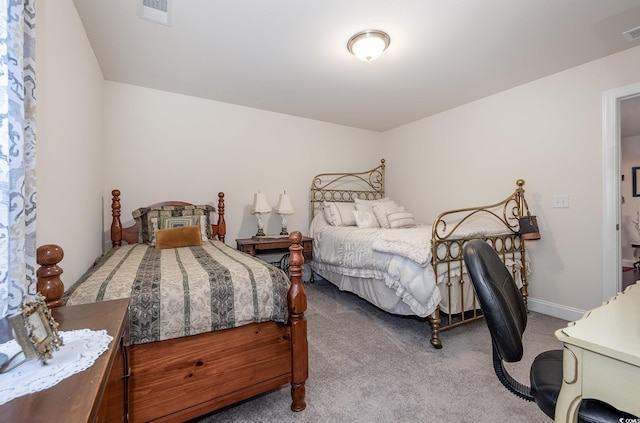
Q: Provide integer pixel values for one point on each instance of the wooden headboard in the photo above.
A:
(130, 233)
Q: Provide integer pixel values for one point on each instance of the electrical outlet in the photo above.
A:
(560, 201)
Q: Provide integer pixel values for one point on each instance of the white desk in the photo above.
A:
(601, 357)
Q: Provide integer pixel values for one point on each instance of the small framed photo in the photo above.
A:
(36, 331)
(635, 173)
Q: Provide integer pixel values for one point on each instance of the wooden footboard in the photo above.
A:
(183, 378)
(179, 379)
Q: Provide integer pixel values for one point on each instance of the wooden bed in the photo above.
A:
(186, 377)
(439, 245)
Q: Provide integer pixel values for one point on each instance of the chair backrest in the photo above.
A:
(500, 299)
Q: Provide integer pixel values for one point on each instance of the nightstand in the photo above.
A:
(266, 245)
(95, 394)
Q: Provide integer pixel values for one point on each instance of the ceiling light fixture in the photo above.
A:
(369, 44)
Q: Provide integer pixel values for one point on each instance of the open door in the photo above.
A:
(611, 188)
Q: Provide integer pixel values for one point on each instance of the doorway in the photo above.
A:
(611, 192)
(630, 187)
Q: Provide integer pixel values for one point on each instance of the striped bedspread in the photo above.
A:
(185, 291)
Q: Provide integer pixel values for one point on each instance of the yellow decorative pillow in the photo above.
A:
(184, 236)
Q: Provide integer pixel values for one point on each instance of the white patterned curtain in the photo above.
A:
(17, 154)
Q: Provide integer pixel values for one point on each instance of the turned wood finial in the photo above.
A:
(49, 283)
(222, 224)
(297, 307)
(297, 295)
(116, 225)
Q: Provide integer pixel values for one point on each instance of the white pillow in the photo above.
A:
(365, 219)
(340, 214)
(381, 210)
(367, 205)
(327, 214)
(401, 219)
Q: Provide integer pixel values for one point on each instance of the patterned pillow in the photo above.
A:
(144, 217)
(178, 222)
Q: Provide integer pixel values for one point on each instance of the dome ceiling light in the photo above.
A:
(368, 45)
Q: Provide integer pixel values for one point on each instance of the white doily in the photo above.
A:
(80, 350)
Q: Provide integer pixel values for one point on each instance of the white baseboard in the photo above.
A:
(627, 263)
(555, 310)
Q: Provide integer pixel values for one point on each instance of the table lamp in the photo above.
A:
(284, 208)
(260, 206)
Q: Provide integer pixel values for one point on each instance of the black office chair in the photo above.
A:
(506, 316)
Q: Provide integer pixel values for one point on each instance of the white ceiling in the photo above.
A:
(290, 56)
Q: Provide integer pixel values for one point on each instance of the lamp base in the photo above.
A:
(260, 232)
(284, 225)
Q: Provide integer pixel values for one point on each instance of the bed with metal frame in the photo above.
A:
(450, 231)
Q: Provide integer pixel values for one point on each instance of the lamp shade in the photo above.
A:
(260, 204)
(368, 45)
(284, 204)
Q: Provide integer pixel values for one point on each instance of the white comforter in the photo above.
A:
(399, 257)
(349, 250)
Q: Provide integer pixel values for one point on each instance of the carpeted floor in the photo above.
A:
(366, 365)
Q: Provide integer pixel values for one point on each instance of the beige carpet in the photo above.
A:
(366, 365)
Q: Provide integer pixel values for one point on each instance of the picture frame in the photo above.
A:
(36, 331)
(635, 173)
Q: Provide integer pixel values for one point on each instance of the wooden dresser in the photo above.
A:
(96, 394)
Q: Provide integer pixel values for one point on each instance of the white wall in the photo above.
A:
(548, 132)
(160, 146)
(94, 136)
(630, 152)
(69, 138)
(164, 146)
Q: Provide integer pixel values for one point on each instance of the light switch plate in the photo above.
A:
(560, 201)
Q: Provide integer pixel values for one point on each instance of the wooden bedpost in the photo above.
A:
(297, 307)
(49, 283)
(116, 225)
(222, 225)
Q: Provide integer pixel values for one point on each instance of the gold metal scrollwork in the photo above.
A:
(345, 187)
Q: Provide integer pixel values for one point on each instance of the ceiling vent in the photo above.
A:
(155, 11)
(632, 34)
